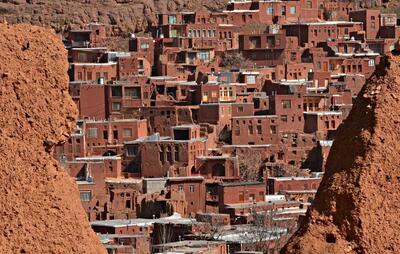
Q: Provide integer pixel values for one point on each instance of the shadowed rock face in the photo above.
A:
(357, 206)
(40, 210)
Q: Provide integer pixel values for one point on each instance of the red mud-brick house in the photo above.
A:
(90, 99)
(124, 196)
(264, 49)
(301, 189)
(126, 244)
(163, 118)
(286, 102)
(323, 123)
(142, 47)
(90, 174)
(93, 71)
(134, 226)
(255, 130)
(218, 167)
(192, 247)
(240, 192)
(194, 189)
(157, 156)
(125, 95)
(337, 10)
(93, 36)
(100, 137)
(310, 34)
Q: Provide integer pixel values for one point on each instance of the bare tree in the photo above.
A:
(250, 166)
(282, 169)
(235, 60)
(268, 234)
(163, 233)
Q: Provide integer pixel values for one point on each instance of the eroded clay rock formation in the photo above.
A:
(357, 206)
(40, 210)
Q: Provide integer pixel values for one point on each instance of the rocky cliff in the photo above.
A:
(357, 205)
(124, 15)
(40, 210)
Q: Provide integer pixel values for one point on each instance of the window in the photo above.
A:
(293, 56)
(127, 133)
(92, 132)
(241, 196)
(180, 187)
(191, 188)
(89, 75)
(204, 56)
(270, 10)
(371, 62)
(259, 129)
(174, 33)
(131, 151)
(81, 57)
(240, 109)
(293, 10)
(79, 75)
(214, 94)
(116, 91)
(145, 45)
(133, 92)
(251, 79)
(284, 118)
(161, 154)
(286, 103)
(171, 19)
(250, 129)
(327, 124)
(116, 106)
(309, 4)
(86, 195)
(176, 153)
(273, 129)
(128, 204)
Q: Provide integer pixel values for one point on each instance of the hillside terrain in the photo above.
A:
(125, 15)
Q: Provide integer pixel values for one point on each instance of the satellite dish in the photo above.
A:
(133, 35)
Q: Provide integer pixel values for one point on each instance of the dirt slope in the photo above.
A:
(125, 15)
(357, 206)
(40, 210)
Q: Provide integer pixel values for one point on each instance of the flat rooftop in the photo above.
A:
(97, 158)
(324, 113)
(176, 218)
(295, 178)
